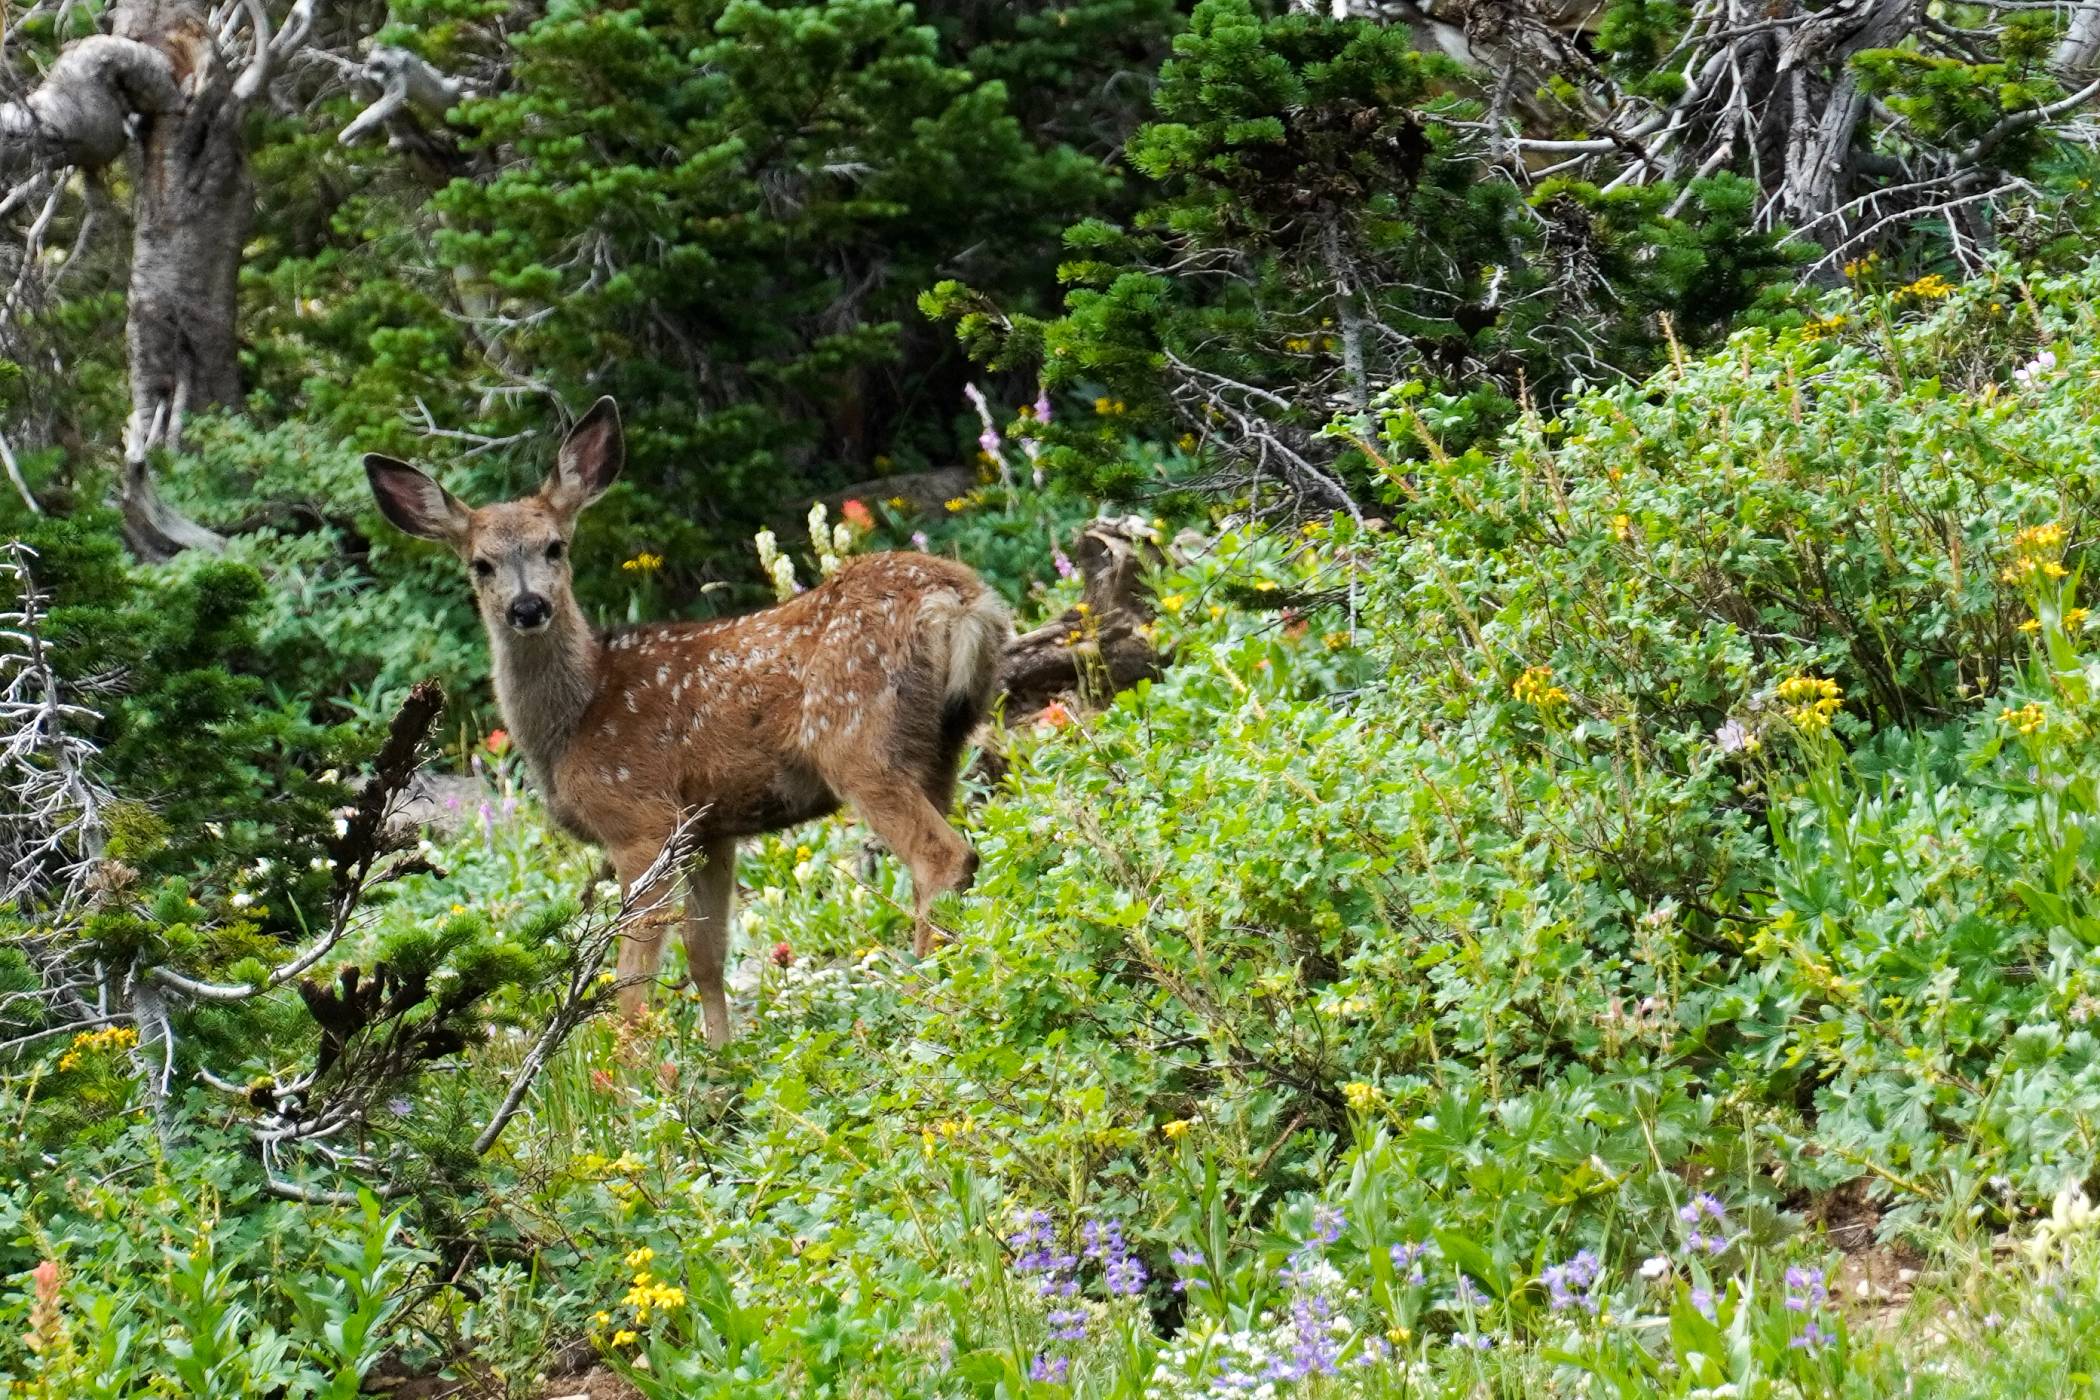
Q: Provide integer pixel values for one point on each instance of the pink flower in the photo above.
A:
(783, 955)
(857, 515)
(498, 742)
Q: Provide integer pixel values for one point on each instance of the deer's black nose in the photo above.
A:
(529, 611)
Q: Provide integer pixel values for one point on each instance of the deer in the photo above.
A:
(862, 690)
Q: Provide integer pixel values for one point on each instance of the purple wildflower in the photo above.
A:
(1473, 1341)
(1061, 562)
(1409, 1257)
(1190, 1263)
(1703, 1300)
(1568, 1285)
(1812, 1337)
(1804, 1290)
(1067, 1324)
(488, 822)
(1123, 1272)
(1035, 1253)
(919, 541)
(1042, 405)
(1313, 1349)
(1469, 1293)
(1049, 1368)
(1327, 1223)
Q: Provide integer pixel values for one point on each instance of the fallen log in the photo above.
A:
(1098, 647)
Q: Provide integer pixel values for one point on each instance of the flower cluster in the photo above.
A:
(2035, 552)
(1805, 1294)
(1706, 1220)
(1810, 700)
(111, 1038)
(2036, 369)
(643, 563)
(646, 1294)
(1568, 1285)
(1122, 1272)
(1930, 287)
(2027, 719)
(1535, 687)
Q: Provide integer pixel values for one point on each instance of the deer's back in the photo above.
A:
(755, 717)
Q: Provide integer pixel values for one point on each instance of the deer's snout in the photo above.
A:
(529, 612)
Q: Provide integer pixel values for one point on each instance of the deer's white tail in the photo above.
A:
(972, 634)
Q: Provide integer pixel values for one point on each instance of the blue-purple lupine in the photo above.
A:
(1805, 1293)
(1327, 1223)
(1190, 1265)
(1313, 1348)
(1703, 1300)
(1049, 1368)
(1035, 1255)
(1469, 1293)
(1705, 1210)
(1568, 1285)
(1123, 1273)
(1408, 1257)
(1067, 1324)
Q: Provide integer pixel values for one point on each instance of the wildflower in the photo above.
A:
(1110, 408)
(498, 742)
(857, 515)
(1174, 602)
(1189, 1262)
(1804, 1290)
(1703, 1300)
(111, 1038)
(1810, 700)
(2034, 553)
(1821, 326)
(957, 504)
(641, 1258)
(2028, 719)
(919, 541)
(2075, 617)
(1535, 687)
(1048, 1368)
(783, 955)
(1327, 1223)
(643, 563)
(1123, 1273)
(1361, 1096)
(1930, 287)
(1655, 1266)
(1622, 527)
(1409, 1257)
(1054, 715)
(2031, 625)
(1568, 1285)
(1186, 442)
(624, 1337)
(1469, 1294)
(1060, 561)
(1067, 1324)
(1040, 409)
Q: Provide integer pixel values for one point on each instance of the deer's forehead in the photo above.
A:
(514, 525)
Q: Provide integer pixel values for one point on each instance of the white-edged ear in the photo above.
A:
(590, 460)
(411, 501)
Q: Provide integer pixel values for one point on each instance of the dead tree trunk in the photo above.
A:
(1098, 648)
(191, 213)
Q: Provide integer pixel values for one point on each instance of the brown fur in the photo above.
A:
(859, 690)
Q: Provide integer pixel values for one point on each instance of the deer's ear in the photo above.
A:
(413, 502)
(590, 460)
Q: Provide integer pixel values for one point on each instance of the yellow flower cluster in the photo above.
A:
(1110, 408)
(92, 1042)
(647, 1294)
(1810, 700)
(1361, 1096)
(1860, 267)
(1622, 527)
(592, 1166)
(1177, 1129)
(2028, 719)
(644, 563)
(2034, 554)
(947, 1130)
(1536, 687)
(1823, 326)
(958, 503)
(1931, 287)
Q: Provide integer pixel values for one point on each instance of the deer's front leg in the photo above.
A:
(710, 893)
(648, 911)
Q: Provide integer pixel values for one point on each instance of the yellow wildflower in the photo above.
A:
(958, 503)
(2034, 552)
(1622, 527)
(640, 1258)
(1360, 1095)
(1297, 344)
(1536, 687)
(2028, 719)
(1174, 602)
(644, 563)
(91, 1042)
(1810, 700)
(624, 1337)
(1178, 1129)
(2075, 617)
(1930, 287)
(2032, 624)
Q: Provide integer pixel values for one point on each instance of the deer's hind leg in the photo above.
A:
(939, 859)
(710, 894)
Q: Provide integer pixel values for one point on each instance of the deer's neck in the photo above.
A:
(544, 683)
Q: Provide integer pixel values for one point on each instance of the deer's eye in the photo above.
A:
(554, 552)
(484, 569)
